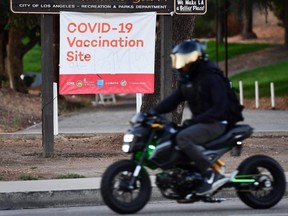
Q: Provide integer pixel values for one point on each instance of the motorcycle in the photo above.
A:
(259, 180)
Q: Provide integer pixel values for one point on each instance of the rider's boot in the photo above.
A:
(218, 179)
(210, 178)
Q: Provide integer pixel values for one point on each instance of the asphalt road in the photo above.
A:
(231, 207)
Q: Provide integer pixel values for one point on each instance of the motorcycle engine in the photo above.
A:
(177, 183)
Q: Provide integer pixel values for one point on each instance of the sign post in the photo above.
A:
(166, 71)
(47, 86)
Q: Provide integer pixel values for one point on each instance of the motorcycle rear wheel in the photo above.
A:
(116, 193)
(270, 183)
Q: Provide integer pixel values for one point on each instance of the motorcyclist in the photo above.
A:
(202, 86)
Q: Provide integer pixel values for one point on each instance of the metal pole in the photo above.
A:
(55, 109)
(272, 91)
(217, 33)
(138, 102)
(256, 94)
(241, 96)
(226, 35)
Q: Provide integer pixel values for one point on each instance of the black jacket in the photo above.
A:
(203, 88)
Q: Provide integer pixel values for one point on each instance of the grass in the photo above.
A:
(32, 60)
(70, 176)
(16, 121)
(276, 73)
(234, 49)
(28, 177)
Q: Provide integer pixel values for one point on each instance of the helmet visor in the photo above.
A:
(180, 60)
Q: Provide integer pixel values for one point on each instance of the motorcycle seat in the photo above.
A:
(238, 132)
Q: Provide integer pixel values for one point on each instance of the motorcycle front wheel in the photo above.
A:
(269, 184)
(116, 189)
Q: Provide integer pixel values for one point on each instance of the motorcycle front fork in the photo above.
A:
(137, 170)
(134, 176)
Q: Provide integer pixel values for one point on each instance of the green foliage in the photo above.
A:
(16, 121)
(27, 177)
(276, 73)
(70, 176)
(26, 22)
(277, 6)
(204, 27)
(32, 60)
(234, 49)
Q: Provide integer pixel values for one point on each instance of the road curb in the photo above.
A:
(76, 198)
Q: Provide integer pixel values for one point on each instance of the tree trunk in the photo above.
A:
(286, 23)
(247, 20)
(220, 19)
(14, 65)
(150, 100)
(2, 55)
(183, 27)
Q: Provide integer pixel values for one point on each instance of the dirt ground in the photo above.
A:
(89, 157)
(22, 158)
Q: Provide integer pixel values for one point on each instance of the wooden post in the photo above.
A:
(47, 85)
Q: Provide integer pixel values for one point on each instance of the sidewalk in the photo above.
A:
(115, 119)
(85, 191)
(55, 193)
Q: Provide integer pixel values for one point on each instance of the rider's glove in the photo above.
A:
(151, 112)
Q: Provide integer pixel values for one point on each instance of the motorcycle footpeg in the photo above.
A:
(236, 150)
(190, 198)
(213, 200)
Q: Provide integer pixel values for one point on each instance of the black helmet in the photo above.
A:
(186, 52)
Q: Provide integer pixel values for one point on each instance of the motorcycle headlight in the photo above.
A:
(128, 138)
(125, 148)
(127, 142)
